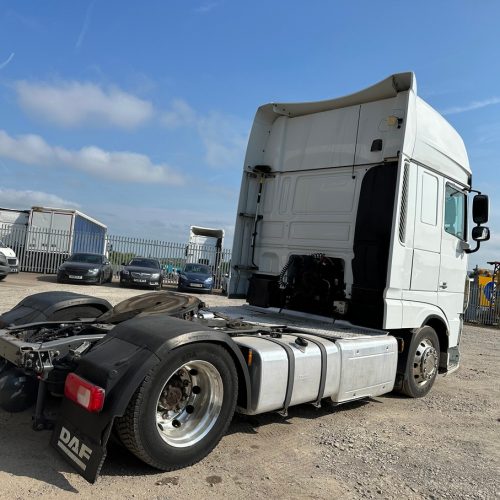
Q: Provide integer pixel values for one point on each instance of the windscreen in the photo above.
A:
(88, 258)
(144, 263)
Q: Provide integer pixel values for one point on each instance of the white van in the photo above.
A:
(12, 260)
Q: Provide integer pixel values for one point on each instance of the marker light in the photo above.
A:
(84, 393)
(249, 357)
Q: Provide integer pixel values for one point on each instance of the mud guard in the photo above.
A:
(119, 364)
(42, 306)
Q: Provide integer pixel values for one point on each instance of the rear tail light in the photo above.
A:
(84, 393)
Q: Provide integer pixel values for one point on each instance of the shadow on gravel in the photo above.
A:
(249, 424)
(47, 278)
(120, 462)
(26, 453)
(51, 278)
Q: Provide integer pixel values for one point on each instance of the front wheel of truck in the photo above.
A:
(422, 363)
(182, 408)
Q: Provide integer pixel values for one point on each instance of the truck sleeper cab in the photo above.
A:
(356, 208)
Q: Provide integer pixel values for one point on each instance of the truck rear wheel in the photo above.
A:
(422, 363)
(182, 408)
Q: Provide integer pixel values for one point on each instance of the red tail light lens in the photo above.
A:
(84, 393)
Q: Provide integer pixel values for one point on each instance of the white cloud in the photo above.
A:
(118, 166)
(164, 224)
(223, 136)
(181, 114)
(85, 26)
(7, 61)
(224, 140)
(471, 106)
(71, 104)
(12, 198)
(206, 8)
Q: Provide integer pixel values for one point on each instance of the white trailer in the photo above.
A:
(64, 231)
(205, 246)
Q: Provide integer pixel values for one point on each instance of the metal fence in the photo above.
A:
(483, 305)
(44, 250)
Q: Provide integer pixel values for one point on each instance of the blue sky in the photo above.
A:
(138, 113)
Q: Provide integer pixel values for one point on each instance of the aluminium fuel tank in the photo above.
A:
(292, 369)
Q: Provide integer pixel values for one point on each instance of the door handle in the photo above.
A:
(443, 285)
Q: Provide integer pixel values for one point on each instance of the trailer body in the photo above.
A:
(74, 231)
(205, 246)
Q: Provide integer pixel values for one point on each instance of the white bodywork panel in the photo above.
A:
(319, 154)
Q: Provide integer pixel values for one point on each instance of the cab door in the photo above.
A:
(427, 236)
(453, 266)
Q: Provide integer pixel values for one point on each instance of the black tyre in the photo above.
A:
(182, 408)
(422, 363)
(3, 277)
(74, 313)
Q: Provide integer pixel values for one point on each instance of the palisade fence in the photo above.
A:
(483, 305)
(44, 250)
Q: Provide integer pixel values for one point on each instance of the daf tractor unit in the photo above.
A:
(350, 246)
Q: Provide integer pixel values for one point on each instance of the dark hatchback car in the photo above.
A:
(4, 266)
(196, 277)
(85, 268)
(142, 272)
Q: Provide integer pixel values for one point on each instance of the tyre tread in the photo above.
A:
(127, 425)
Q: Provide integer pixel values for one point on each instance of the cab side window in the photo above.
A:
(454, 212)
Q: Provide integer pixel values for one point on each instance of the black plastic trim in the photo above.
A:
(324, 360)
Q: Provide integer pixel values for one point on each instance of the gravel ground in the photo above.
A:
(445, 445)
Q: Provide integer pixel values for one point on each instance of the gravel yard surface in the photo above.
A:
(446, 445)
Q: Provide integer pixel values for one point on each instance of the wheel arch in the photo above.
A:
(441, 329)
(43, 306)
(121, 361)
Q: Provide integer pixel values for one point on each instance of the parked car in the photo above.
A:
(85, 268)
(4, 266)
(9, 254)
(196, 277)
(142, 272)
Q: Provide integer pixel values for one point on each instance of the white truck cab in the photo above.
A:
(356, 208)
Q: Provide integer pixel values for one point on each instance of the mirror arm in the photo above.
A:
(472, 250)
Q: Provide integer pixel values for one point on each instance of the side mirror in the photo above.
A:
(480, 210)
(480, 233)
(123, 264)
